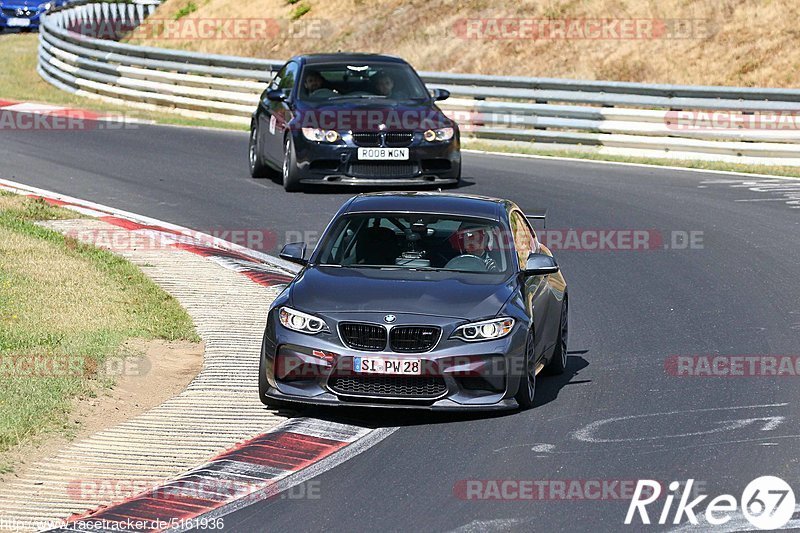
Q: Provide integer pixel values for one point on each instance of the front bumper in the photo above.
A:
(441, 405)
(431, 163)
(458, 375)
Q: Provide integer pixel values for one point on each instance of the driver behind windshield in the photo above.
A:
(313, 81)
(475, 241)
(384, 84)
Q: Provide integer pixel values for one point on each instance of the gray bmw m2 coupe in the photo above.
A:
(415, 299)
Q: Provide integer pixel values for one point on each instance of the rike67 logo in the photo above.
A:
(767, 502)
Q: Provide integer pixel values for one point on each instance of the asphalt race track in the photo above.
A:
(616, 415)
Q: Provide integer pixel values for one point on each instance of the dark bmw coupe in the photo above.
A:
(420, 299)
(352, 119)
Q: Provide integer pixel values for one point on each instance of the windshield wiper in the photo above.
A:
(344, 96)
(402, 267)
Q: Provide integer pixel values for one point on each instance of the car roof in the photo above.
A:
(429, 202)
(312, 59)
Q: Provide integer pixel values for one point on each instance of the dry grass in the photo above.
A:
(20, 82)
(747, 42)
(63, 301)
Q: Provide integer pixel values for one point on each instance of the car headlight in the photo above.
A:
(484, 330)
(302, 322)
(442, 134)
(319, 135)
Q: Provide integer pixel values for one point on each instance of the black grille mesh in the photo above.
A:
(413, 338)
(421, 387)
(389, 169)
(367, 139)
(392, 139)
(399, 138)
(359, 336)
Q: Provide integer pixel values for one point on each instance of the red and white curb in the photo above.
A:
(218, 409)
(47, 109)
(259, 267)
(253, 471)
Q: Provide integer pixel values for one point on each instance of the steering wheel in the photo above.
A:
(323, 93)
(468, 263)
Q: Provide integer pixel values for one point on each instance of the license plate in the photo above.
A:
(383, 154)
(18, 23)
(381, 365)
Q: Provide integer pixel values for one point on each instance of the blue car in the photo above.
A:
(425, 300)
(24, 14)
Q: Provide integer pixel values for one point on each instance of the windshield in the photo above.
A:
(417, 241)
(395, 81)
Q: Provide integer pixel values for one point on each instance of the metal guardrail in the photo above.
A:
(614, 117)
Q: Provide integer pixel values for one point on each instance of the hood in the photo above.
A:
(32, 4)
(447, 294)
(369, 115)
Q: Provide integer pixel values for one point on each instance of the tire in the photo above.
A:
(258, 169)
(558, 363)
(291, 177)
(527, 386)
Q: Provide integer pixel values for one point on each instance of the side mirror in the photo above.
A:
(294, 252)
(540, 265)
(276, 95)
(441, 94)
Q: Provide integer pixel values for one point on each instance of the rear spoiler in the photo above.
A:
(537, 214)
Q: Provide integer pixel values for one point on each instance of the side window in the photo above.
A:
(276, 81)
(288, 75)
(524, 241)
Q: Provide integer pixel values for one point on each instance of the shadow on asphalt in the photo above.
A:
(547, 390)
(359, 189)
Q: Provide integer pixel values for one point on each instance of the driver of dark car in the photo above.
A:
(313, 82)
(384, 84)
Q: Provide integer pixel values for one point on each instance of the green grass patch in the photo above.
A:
(188, 9)
(20, 82)
(299, 11)
(66, 308)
